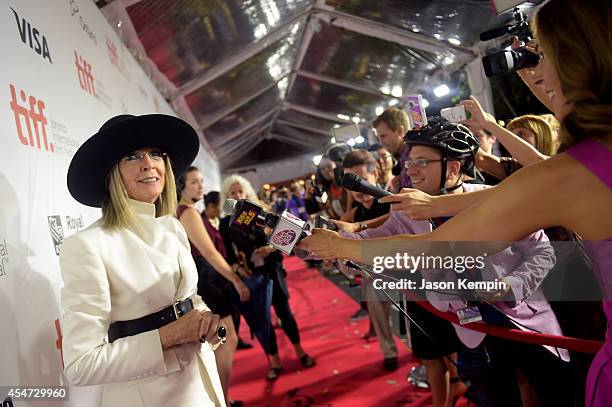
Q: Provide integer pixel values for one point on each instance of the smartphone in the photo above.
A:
(455, 114)
(323, 222)
(416, 111)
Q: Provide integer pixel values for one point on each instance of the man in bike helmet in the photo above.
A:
(451, 145)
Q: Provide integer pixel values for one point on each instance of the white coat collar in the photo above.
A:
(142, 208)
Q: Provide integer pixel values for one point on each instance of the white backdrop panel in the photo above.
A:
(69, 73)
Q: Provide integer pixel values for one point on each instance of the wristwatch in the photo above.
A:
(362, 226)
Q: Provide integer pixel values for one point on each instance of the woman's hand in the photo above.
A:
(416, 204)
(209, 324)
(346, 226)
(264, 251)
(243, 290)
(526, 74)
(242, 269)
(479, 119)
(184, 330)
(322, 243)
(396, 183)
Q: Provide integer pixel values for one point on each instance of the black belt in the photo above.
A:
(149, 322)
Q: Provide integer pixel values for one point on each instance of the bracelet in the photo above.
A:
(362, 226)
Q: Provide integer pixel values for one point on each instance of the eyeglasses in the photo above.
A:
(134, 157)
(419, 163)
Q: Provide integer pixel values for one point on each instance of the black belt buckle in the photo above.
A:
(182, 307)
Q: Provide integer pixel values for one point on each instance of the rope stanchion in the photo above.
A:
(575, 344)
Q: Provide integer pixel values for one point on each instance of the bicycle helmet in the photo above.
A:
(454, 141)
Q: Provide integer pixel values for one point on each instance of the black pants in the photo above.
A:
(491, 369)
(280, 302)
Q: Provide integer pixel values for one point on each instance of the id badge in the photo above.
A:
(469, 314)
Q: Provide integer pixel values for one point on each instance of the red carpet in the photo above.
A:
(349, 370)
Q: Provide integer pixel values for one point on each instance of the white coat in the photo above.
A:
(121, 275)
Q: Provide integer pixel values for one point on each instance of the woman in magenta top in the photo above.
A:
(571, 189)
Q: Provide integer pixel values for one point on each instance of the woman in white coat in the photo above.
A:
(132, 319)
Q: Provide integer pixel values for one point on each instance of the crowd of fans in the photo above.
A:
(440, 159)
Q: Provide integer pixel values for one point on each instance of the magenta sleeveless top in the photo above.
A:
(596, 157)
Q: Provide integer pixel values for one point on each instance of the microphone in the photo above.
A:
(244, 214)
(494, 33)
(355, 183)
(287, 229)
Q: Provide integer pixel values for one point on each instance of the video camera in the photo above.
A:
(502, 62)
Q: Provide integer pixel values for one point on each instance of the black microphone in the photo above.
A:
(494, 33)
(355, 183)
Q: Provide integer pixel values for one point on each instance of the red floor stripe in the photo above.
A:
(349, 370)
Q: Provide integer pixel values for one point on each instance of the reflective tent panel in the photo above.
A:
(443, 20)
(245, 81)
(185, 38)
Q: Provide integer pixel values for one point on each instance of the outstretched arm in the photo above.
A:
(521, 150)
(418, 205)
(504, 215)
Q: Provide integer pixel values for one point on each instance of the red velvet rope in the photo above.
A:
(515, 334)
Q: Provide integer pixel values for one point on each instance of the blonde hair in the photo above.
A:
(576, 38)
(552, 121)
(116, 211)
(247, 188)
(544, 140)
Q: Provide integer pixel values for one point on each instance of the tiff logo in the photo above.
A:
(32, 36)
(86, 78)
(33, 117)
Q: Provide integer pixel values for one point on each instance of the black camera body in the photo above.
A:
(502, 62)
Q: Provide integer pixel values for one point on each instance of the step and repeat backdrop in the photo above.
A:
(64, 72)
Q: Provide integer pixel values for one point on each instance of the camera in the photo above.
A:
(455, 114)
(503, 62)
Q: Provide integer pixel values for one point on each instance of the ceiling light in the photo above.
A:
(351, 142)
(425, 103)
(454, 41)
(379, 110)
(317, 159)
(397, 91)
(355, 119)
(260, 31)
(332, 140)
(342, 116)
(359, 139)
(441, 90)
(393, 102)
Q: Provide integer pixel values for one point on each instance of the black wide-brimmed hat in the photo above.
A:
(119, 136)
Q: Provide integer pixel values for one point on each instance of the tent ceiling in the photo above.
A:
(265, 80)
